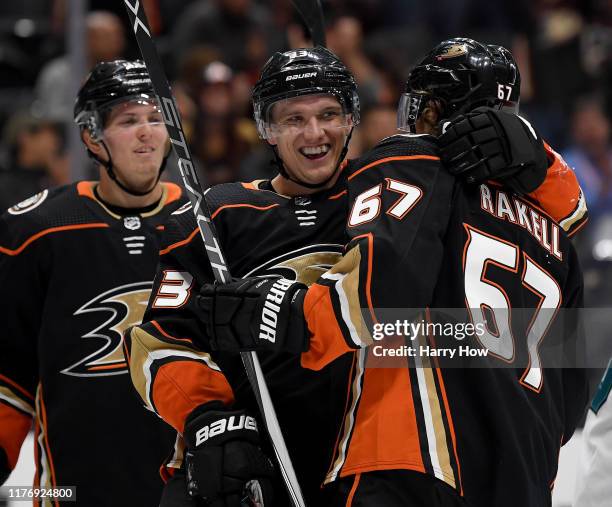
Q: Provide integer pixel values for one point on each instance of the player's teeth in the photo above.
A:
(315, 150)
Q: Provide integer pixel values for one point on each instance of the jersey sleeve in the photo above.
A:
(168, 366)
(560, 194)
(22, 299)
(400, 201)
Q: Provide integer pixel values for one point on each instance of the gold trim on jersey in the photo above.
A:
(431, 404)
(162, 201)
(146, 349)
(10, 398)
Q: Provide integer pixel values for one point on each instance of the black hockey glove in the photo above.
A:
(490, 144)
(224, 464)
(175, 493)
(255, 314)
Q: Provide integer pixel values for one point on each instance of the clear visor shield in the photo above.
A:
(299, 115)
(131, 115)
(408, 111)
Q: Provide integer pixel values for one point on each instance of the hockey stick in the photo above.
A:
(312, 14)
(213, 250)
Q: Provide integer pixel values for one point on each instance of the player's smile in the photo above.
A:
(315, 152)
(144, 150)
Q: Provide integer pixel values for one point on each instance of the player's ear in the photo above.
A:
(427, 122)
(93, 146)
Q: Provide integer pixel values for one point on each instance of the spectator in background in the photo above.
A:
(105, 42)
(590, 154)
(345, 38)
(240, 29)
(376, 123)
(33, 158)
(222, 137)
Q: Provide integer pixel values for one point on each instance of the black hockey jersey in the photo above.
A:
(491, 426)
(74, 275)
(260, 232)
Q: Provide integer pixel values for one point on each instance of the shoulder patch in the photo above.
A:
(29, 204)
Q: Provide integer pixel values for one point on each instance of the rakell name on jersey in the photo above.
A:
(508, 207)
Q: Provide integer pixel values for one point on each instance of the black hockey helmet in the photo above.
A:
(300, 72)
(110, 84)
(107, 85)
(461, 74)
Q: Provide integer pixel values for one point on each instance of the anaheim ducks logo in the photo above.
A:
(453, 51)
(305, 265)
(124, 306)
(29, 204)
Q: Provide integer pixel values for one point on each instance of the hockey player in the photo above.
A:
(76, 269)
(294, 225)
(306, 107)
(422, 431)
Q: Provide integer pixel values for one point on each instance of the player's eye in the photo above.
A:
(330, 115)
(292, 121)
(156, 118)
(127, 121)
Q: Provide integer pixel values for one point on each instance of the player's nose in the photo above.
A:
(144, 130)
(313, 128)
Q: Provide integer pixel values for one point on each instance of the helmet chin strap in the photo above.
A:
(285, 174)
(108, 165)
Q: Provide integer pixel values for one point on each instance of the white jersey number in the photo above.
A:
(174, 289)
(492, 301)
(367, 204)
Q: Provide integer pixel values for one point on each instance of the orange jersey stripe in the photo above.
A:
(51, 230)
(109, 366)
(349, 500)
(322, 323)
(337, 196)
(16, 386)
(161, 330)
(43, 417)
(15, 426)
(260, 208)
(391, 159)
(386, 433)
(188, 239)
(36, 454)
(575, 230)
(172, 400)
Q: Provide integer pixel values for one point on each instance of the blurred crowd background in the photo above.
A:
(213, 50)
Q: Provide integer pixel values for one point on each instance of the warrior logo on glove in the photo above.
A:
(269, 313)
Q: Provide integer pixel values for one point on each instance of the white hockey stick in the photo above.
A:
(220, 269)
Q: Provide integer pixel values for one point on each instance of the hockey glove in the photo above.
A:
(225, 465)
(255, 314)
(490, 144)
